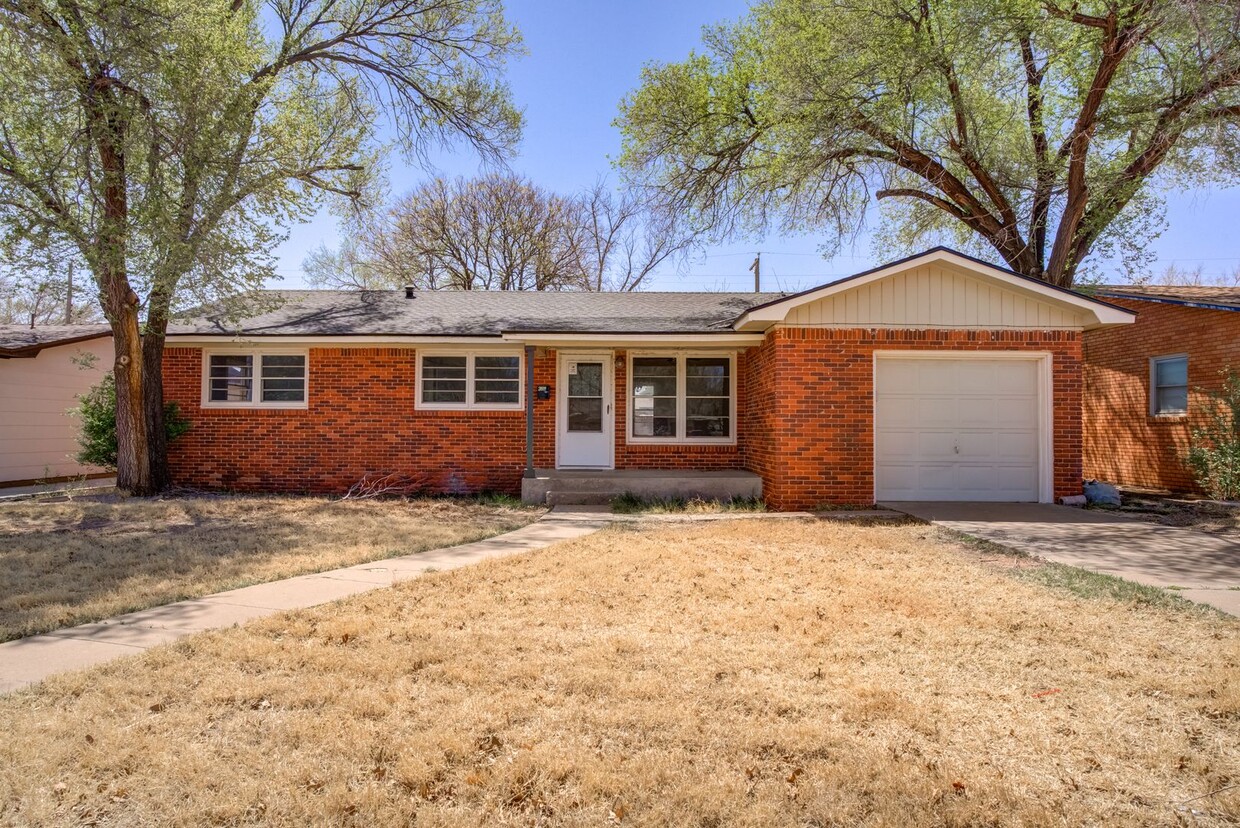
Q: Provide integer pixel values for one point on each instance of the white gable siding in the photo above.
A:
(37, 438)
(934, 296)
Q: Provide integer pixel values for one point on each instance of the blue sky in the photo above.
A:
(584, 56)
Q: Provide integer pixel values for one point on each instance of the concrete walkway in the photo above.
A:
(30, 660)
(1205, 568)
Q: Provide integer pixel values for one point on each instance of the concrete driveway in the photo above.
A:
(1205, 567)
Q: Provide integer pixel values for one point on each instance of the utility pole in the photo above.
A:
(756, 267)
(69, 296)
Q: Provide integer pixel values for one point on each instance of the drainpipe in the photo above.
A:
(529, 412)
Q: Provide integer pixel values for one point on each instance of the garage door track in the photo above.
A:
(1203, 567)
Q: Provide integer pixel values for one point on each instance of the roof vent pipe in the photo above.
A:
(408, 291)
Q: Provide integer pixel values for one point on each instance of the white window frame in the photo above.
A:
(256, 386)
(681, 439)
(469, 404)
(1154, 412)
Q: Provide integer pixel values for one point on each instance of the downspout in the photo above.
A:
(529, 412)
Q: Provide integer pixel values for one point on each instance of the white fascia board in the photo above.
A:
(725, 338)
(762, 318)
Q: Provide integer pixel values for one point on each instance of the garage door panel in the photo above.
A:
(933, 412)
(973, 445)
(957, 429)
(977, 413)
(898, 445)
(1017, 445)
(974, 377)
(1015, 376)
(935, 445)
(901, 379)
(1016, 412)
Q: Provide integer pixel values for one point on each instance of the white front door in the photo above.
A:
(585, 431)
(958, 428)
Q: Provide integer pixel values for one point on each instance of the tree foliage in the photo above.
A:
(97, 443)
(502, 232)
(1213, 453)
(1035, 128)
(169, 142)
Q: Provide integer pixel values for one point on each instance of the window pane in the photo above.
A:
(707, 366)
(1172, 400)
(585, 414)
(284, 366)
(588, 381)
(654, 367)
(443, 367)
(231, 377)
(707, 386)
(1171, 371)
(706, 407)
(707, 426)
(654, 397)
(497, 396)
(284, 378)
(505, 367)
(443, 379)
(497, 380)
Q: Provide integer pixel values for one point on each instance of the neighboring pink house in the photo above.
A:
(938, 377)
(42, 372)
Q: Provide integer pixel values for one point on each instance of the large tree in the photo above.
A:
(170, 141)
(502, 232)
(1044, 130)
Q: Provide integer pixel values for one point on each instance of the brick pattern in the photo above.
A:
(360, 419)
(821, 404)
(1123, 443)
(804, 411)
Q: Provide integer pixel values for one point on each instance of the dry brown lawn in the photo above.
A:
(70, 562)
(739, 673)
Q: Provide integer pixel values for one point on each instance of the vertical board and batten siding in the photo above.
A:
(933, 296)
(37, 437)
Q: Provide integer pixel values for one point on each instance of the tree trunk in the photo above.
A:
(153, 403)
(133, 465)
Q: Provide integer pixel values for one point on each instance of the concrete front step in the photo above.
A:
(585, 487)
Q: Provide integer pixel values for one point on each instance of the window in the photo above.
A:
(682, 398)
(469, 380)
(1169, 385)
(239, 380)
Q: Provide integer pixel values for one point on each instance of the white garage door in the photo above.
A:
(956, 429)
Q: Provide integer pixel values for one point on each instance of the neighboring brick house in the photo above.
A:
(1143, 381)
(938, 377)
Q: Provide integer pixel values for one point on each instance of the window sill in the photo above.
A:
(206, 406)
(688, 441)
(470, 409)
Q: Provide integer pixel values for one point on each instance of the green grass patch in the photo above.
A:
(632, 504)
(1095, 585)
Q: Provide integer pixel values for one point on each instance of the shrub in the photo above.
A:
(1214, 448)
(97, 438)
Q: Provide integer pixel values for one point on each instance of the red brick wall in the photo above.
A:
(1123, 443)
(804, 410)
(361, 418)
(823, 448)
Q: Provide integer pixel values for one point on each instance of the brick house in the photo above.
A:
(938, 377)
(1143, 380)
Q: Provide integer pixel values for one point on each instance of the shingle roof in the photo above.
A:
(23, 340)
(481, 313)
(1212, 296)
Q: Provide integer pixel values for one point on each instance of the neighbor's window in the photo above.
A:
(1169, 385)
(256, 379)
(682, 397)
(468, 380)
